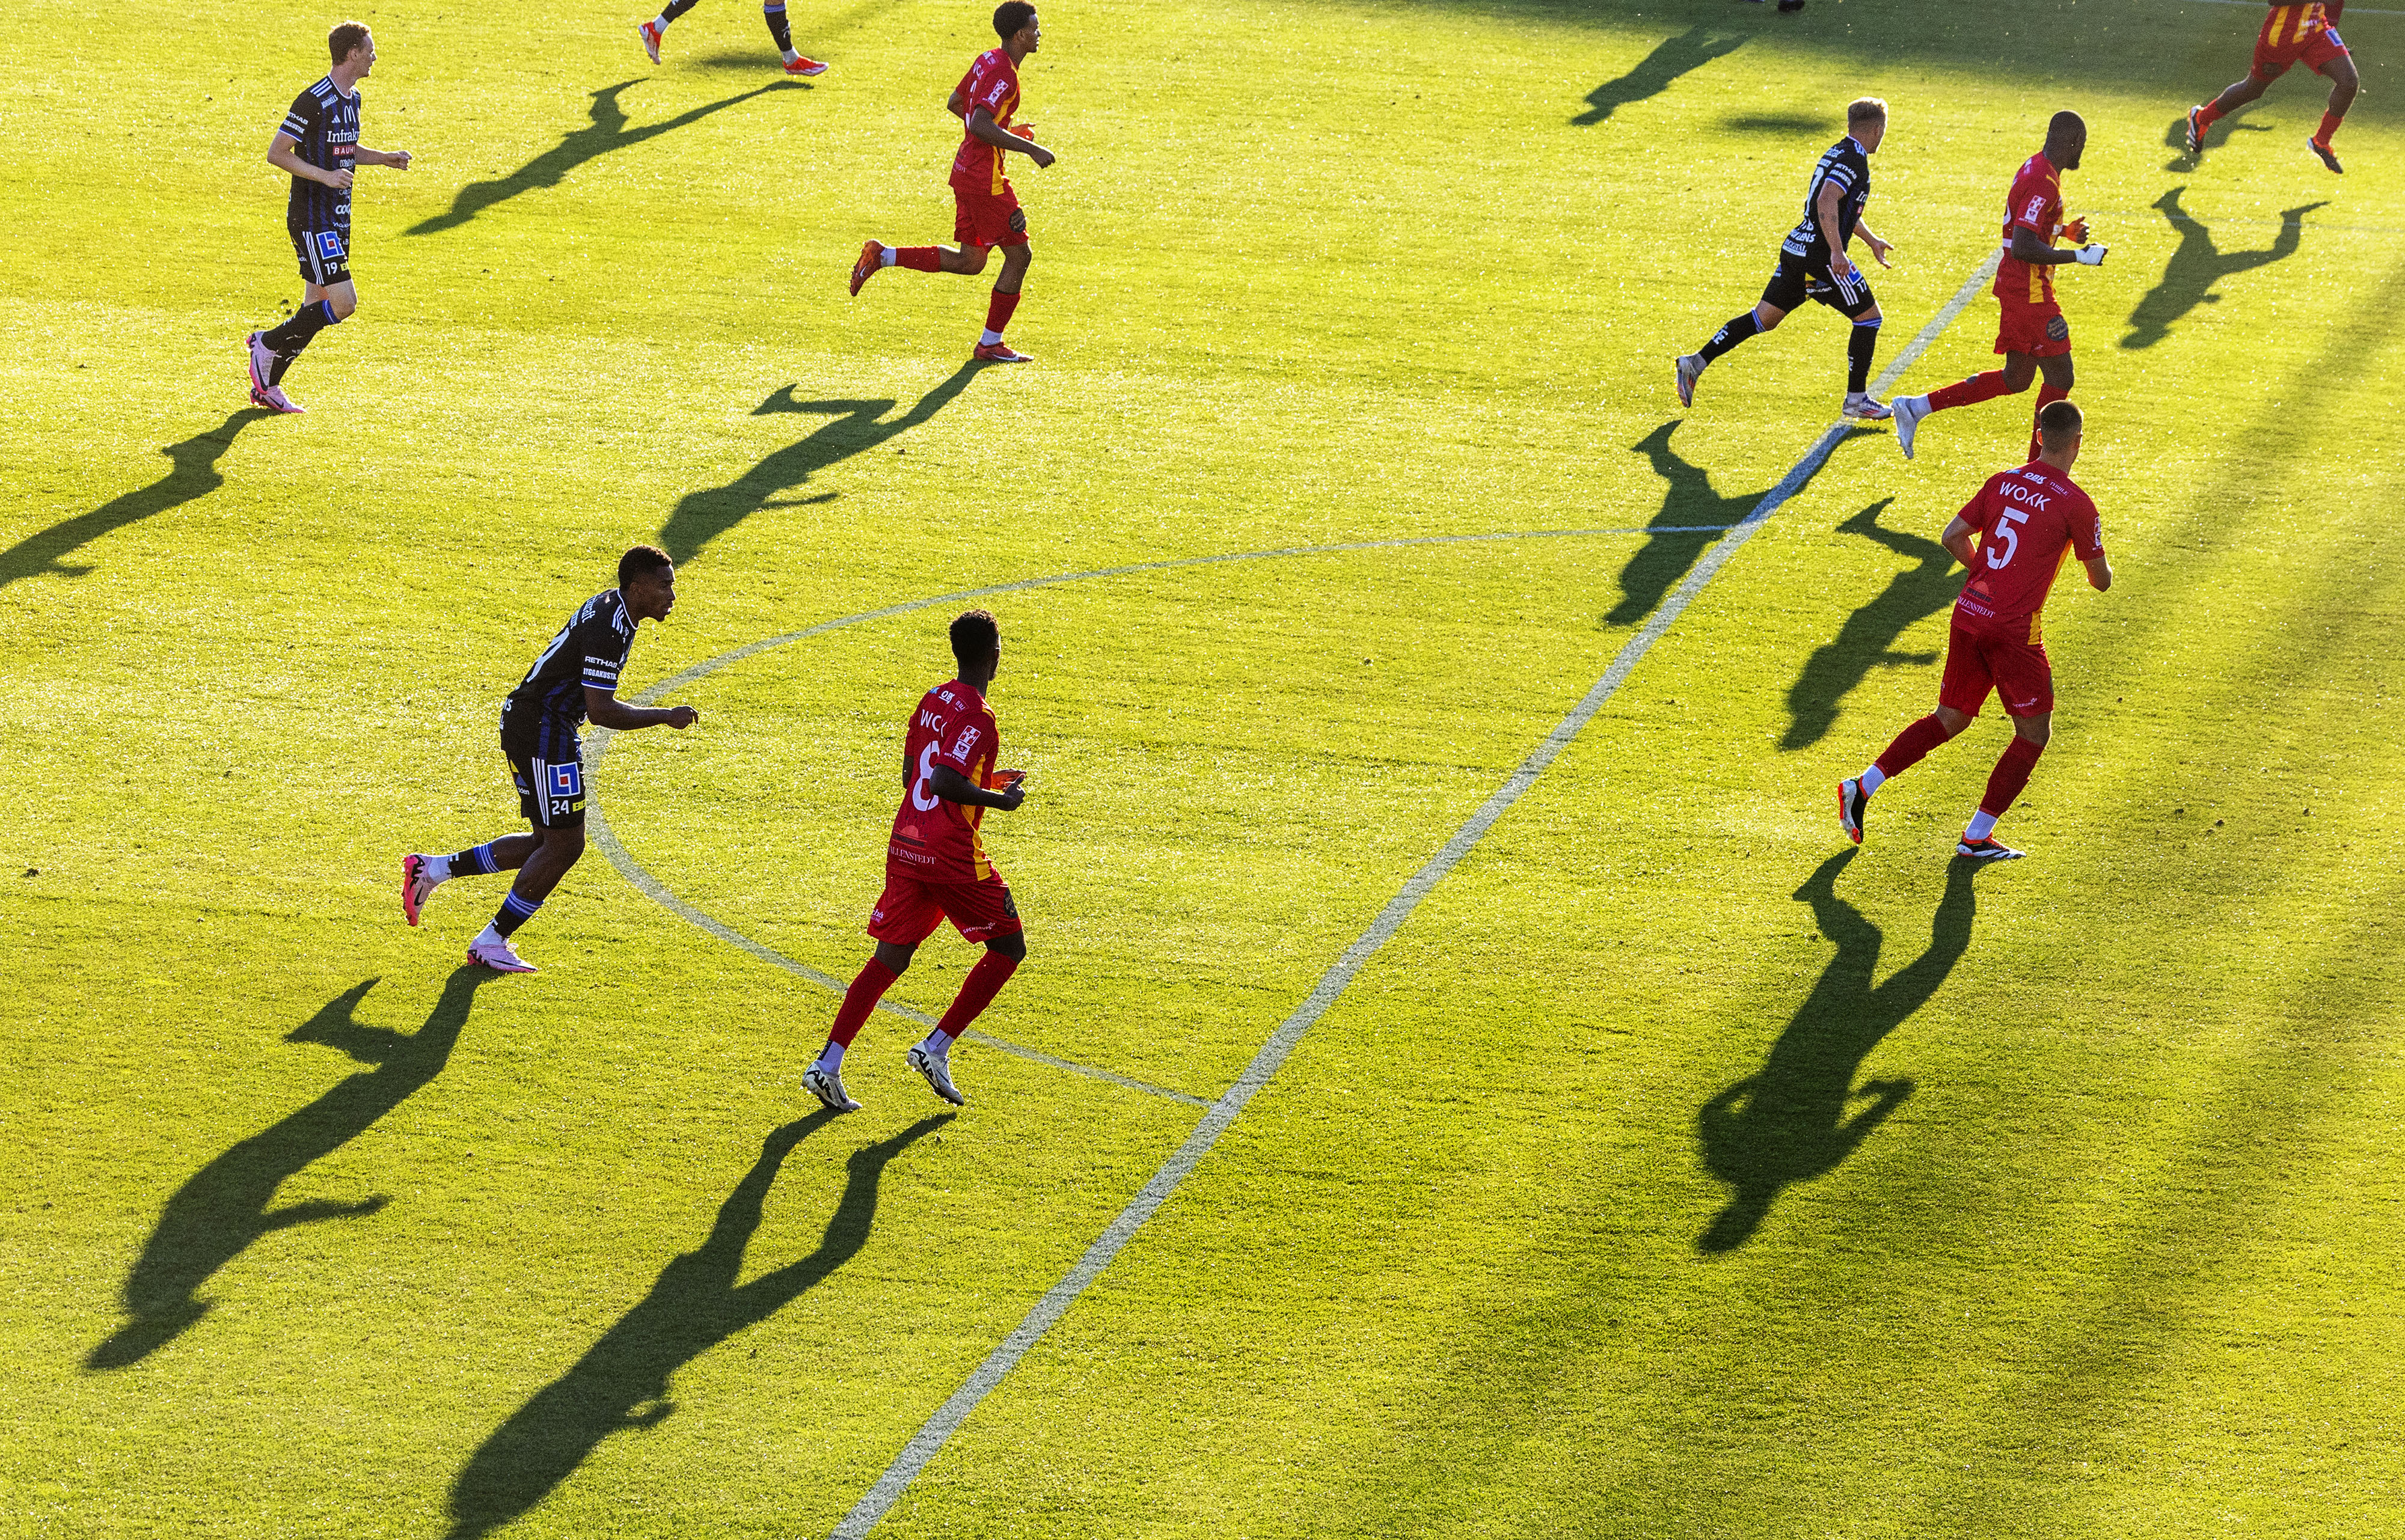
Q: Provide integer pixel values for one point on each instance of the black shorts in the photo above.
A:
(1793, 283)
(548, 767)
(325, 255)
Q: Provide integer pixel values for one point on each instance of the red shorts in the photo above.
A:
(908, 910)
(2272, 60)
(2018, 672)
(2037, 329)
(982, 219)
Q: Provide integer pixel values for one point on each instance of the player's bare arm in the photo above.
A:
(606, 709)
(1825, 210)
(397, 159)
(2100, 572)
(1878, 248)
(981, 124)
(951, 785)
(1960, 538)
(283, 154)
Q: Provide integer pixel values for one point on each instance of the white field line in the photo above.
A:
(659, 892)
(932, 1436)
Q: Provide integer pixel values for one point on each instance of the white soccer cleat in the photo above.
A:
(827, 1085)
(1908, 411)
(493, 950)
(1690, 368)
(1968, 849)
(937, 1071)
(1864, 406)
(262, 361)
(650, 40)
(417, 885)
(273, 399)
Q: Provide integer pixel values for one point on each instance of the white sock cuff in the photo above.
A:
(887, 255)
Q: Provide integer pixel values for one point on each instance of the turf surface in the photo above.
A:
(1673, 1171)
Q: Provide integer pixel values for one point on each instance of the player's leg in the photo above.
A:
(983, 911)
(2015, 377)
(557, 848)
(1783, 293)
(904, 914)
(1004, 299)
(2344, 84)
(2059, 374)
(2004, 783)
(421, 874)
(1853, 296)
(773, 12)
(1961, 691)
(966, 259)
(652, 29)
(325, 285)
(2267, 66)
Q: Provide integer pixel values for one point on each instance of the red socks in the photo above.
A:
(977, 991)
(860, 1001)
(997, 312)
(2331, 121)
(1977, 389)
(920, 258)
(1911, 746)
(2011, 774)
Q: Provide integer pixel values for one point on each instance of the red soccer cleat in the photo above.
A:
(872, 257)
(799, 66)
(999, 352)
(2329, 157)
(651, 35)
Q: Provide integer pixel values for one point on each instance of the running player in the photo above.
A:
(985, 211)
(935, 867)
(318, 144)
(2292, 32)
(772, 11)
(2031, 333)
(1813, 264)
(2026, 520)
(576, 676)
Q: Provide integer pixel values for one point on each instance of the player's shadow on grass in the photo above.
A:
(229, 1203)
(2197, 264)
(858, 426)
(1867, 638)
(193, 474)
(1691, 517)
(1795, 1119)
(2176, 137)
(1691, 49)
(622, 1381)
(608, 132)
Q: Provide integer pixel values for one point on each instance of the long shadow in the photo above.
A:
(1789, 1120)
(701, 517)
(622, 1381)
(2197, 265)
(1867, 638)
(193, 473)
(1691, 49)
(1691, 517)
(608, 132)
(229, 1203)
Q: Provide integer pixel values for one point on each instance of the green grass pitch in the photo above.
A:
(1675, 1171)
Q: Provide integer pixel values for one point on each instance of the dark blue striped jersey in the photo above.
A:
(324, 125)
(590, 649)
(1848, 166)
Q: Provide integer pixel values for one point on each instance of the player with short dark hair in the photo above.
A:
(772, 12)
(1813, 264)
(935, 867)
(2291, 32)
(318, 144)
(2026, 519)
(985, 211)
(575, 677)
(2031, 331)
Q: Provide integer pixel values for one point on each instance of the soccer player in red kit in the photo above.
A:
(935, 867)
(985, 211)
(2290, 32)
(2031, 333)
(2027, 521)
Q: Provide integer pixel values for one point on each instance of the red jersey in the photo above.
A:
(2030, 519)
(992, 83)
(934, 839)
(2034, 205)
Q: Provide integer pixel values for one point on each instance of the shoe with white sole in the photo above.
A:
(1000, 353)
(799, 66)
(937, 1071)
(493, 950)
(650, 40)
(417, 885)
(1690, 367)
(1908, 411)
(1986, 849)
(273, 399)
(827, 1085)
(263, 362)
(1864, 406)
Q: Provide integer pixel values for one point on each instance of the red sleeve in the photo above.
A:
(2087, 529)
(2037, 203)
(967, 738)
(1975, 513)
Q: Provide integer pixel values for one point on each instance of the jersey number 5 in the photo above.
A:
(2005, 520)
